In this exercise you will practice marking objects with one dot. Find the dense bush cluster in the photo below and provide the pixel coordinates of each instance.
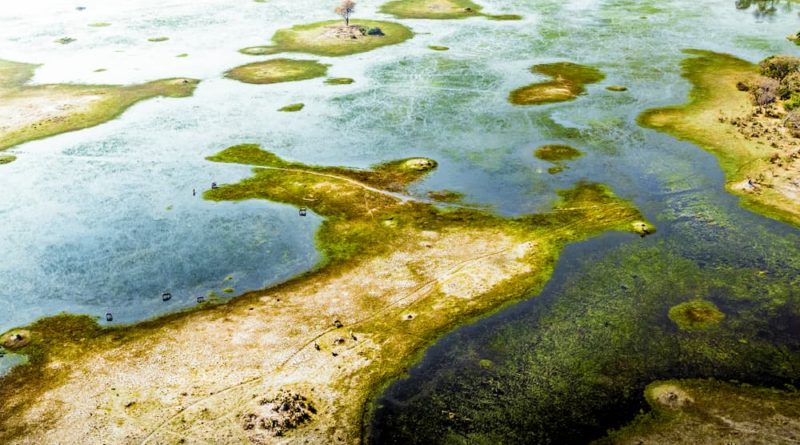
(781, 80)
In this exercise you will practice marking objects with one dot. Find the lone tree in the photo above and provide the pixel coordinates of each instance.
(346, 9)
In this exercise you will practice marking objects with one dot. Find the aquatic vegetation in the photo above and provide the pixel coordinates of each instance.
(7, 159)
(99, 24)
(504, 17)
(446, 196)
(617, 88)
(576, 363)
(339, 81)
(557, 152)
(569, 81)
(681, 410)
(65, 40)
(79, 106)
(182, 55)
(398, 273)
(696, 315)
(757, 158)
(158, 39)
(292, 107)
(331, 38)
(277, 70)
(438, 48)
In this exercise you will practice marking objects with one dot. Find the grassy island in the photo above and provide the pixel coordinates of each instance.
(397, 274)
(696, 315)
(278, 70)
(334, 38)
(695, 411)
(29, 112)
(569, 81)
(439, 10)
(557, 154)
(756, 144)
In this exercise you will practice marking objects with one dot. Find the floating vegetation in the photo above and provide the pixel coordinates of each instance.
(339, 81)
(292, 107)
(65, 40)
(617, 88)
(7, 159)
(158, 39)
(438, 48)
(99, 24)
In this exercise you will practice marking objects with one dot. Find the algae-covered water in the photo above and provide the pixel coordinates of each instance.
(104, 219)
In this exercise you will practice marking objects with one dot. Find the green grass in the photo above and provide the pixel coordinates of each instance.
(339, 81)
(278, 70)
(292, 107)
(425, 9)
(569, 81)
(7, 159)
(310, 39)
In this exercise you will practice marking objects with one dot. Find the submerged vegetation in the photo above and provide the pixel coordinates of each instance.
(576, 363)
(331, 38)
(278, 70)
(557, 154)
(69, 107)
(569, 81)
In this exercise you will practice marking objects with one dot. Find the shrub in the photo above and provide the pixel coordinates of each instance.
(765, 91)
(789, 85)
(778, 67)
(793, 103)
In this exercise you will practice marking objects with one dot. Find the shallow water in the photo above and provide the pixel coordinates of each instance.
(104, 219)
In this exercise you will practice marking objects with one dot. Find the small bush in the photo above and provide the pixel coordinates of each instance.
(778, 67)
(765, 91)
(789, 85)
(375, 31)
(793, 103)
